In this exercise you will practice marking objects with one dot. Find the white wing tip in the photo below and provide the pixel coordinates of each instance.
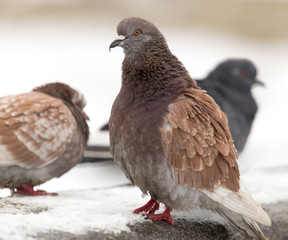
(241, 202)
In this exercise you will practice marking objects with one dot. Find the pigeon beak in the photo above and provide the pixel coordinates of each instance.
(117, 42)
(260, 83)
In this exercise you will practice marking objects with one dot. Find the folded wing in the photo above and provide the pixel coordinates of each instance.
(199, 148)
(35, 129)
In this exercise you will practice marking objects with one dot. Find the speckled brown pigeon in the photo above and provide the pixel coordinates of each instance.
(171, 139)
(43, 134)
(230, 84)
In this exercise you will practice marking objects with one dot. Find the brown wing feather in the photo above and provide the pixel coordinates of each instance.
(197, 143)
(35, 129)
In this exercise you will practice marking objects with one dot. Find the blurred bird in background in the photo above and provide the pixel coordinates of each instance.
(43, 134)
(230, 84)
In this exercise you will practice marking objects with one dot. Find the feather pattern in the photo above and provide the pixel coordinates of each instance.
(209, 166)
(43, 134)
(207, 149)
(39, 128)
(241, 202)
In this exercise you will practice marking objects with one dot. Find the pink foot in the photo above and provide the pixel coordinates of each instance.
(150, 206)
(28, 190)
(162, 216)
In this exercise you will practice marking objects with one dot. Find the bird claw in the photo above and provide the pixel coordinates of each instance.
(28, 190)
(151, 206)
(166, 216)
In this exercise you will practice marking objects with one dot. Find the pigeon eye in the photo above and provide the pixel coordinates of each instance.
(244, 74)
(137, 32)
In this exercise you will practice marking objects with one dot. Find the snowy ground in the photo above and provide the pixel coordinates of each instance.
(89, 195)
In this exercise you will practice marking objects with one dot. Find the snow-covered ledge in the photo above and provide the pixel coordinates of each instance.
(106, 214)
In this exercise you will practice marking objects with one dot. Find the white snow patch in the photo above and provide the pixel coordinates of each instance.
(74, 211)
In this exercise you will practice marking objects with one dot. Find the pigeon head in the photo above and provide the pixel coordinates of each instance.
(149, 65)
(239, 69)
(136, 34)
(66, 93)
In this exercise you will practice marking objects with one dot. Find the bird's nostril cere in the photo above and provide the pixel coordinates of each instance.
(117, 42)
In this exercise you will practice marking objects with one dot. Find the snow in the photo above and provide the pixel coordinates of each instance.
(72, 211)
(91, 197)
(94, 196)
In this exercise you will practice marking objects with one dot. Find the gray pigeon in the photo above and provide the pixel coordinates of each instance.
(229, 84)
(171, 139)
(43, 134)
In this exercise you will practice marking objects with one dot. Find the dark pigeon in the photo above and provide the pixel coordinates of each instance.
(171, 139)
(229, 84)
(43, 134)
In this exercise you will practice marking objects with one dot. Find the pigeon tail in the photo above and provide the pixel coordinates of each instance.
(240, 202)
(244, 225)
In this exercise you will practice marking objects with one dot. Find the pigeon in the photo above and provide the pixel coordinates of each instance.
(229, 84)
(43, 134)
(171, 139)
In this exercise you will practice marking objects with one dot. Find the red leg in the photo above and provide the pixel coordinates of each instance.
(166, 216)
(28, 190)
(154, 208)
(151, 205)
